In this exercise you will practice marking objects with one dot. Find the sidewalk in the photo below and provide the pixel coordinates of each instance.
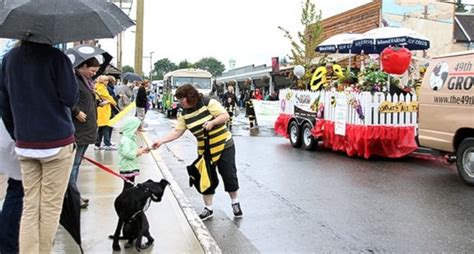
(173, 222)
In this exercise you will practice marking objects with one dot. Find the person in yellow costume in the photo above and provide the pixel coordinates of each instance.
(104, 111)
(205, 113)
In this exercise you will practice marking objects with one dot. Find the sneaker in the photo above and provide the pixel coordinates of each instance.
(112, 147)
(84, 204)
(237, 210)
(206, 214)
(97, 148)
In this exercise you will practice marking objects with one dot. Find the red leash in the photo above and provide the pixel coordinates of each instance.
(106, 169)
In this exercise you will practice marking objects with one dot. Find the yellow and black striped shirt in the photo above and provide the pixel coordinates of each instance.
(193, 119)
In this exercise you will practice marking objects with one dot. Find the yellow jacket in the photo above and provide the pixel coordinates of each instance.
(104, 112)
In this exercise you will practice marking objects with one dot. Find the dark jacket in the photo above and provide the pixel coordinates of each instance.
(85, 132)
(141, 99)
(111, 90)
(37, 88)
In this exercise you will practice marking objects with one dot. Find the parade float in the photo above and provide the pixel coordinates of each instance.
(367, 112)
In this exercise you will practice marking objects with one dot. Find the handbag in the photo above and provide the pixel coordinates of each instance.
(202, 172)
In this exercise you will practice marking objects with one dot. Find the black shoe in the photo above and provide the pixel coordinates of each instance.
(84, 204)
(237, 210)
(206, 214)
(86, 200)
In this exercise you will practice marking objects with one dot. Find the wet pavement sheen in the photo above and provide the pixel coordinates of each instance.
(168, 224)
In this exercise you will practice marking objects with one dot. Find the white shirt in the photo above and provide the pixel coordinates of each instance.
(37, 153)
(9, 163)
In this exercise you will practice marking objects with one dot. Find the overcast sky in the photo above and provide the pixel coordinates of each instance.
(244, 30)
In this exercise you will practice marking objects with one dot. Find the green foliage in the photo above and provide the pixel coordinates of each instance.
(162, 67)
(185, 64)
(460, 7)
(303, 46)
(214, 66)
(128, 68)
(211, 64)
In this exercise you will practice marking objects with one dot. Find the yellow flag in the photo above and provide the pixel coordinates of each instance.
(121, 114)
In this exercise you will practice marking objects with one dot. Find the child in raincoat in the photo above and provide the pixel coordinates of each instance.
(129, 151)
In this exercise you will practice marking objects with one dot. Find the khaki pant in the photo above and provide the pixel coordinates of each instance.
(141, 116)
(44, 182)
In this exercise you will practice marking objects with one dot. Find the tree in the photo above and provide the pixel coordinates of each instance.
(302, 51)
(460, 7)
(185, 64)
(210, 64)
(163, 66)
(128, 68)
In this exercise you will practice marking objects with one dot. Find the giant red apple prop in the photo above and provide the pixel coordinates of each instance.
(395, 60)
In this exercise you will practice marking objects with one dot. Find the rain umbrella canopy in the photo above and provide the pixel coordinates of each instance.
(376, 40)
(81, 53)
(57, 21)
(131, 76)
(70, 217)
(340, 43)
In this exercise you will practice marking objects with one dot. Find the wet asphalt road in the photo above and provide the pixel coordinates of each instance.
(299, 201)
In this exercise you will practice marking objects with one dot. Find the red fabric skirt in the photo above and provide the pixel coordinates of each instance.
(368, 140)
(281, 124)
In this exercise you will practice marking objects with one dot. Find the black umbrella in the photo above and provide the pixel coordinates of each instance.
(131, 76)
(71, 213)
(57, 21)
(81, 53)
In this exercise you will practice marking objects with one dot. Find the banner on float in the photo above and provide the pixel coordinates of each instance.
(341, 114)
(266, 112)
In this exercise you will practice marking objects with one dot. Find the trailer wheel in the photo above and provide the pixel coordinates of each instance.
(295, 137)
(465, 160)
(308, 140)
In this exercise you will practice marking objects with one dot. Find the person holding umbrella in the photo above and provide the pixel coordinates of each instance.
(204, 113)
(84, 116)
(37, 90)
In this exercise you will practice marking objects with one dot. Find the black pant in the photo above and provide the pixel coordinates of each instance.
(228, 171)
(10, 217)
(105, 133)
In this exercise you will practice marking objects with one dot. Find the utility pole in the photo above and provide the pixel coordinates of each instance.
(119, 46)
(150, 57)
(139, 38)
(151, 64)
(123, 5)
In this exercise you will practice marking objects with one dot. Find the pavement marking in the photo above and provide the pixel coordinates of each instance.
(205, 238)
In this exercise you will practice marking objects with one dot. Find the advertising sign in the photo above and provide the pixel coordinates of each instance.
(341, 114)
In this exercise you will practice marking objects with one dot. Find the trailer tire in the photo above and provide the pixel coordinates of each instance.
(295, 134)
(307, 138)
(465, 161)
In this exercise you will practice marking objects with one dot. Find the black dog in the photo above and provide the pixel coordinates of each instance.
(130, 206)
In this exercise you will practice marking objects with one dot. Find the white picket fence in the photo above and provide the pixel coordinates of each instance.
(370, 107)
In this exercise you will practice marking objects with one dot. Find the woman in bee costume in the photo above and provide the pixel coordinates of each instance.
(202, 113)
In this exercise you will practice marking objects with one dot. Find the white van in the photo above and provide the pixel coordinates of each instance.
(446, 109)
